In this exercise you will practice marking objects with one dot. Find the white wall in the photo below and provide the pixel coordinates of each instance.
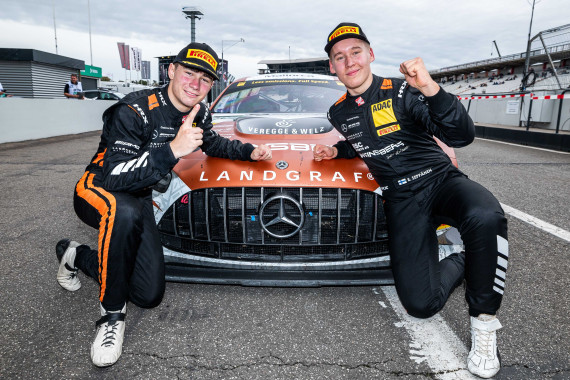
(28, 119)
(494, 111)
(491, 112)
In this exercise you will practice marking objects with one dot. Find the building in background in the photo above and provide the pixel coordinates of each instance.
(31, 73)
(91, 77)
(302, 65)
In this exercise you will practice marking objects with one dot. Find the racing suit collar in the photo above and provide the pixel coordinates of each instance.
(363, 99)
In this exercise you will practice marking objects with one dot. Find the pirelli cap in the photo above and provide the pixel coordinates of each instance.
(200, 57)
(343, 31)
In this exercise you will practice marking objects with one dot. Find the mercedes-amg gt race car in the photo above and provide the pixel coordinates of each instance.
(289, 221)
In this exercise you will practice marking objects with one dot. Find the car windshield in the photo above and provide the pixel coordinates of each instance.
(90, 94)
(280, 96)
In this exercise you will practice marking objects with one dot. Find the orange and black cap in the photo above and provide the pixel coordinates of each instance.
(199, 56)
(343, 31)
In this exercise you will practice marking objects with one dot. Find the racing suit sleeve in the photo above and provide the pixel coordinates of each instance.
(344, 149)
(218, 146)
(129, 165)
(443, 117)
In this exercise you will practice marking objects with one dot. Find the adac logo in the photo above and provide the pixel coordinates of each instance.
(383, 113)
(343, 30)
(202, 55)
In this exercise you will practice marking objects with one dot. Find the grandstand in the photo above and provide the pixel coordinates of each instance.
(547, 63)
(529, 89)
(498, 84)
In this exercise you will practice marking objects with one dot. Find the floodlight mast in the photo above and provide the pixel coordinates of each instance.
(233, 42)
(496, 47)
(54, 28)
(527, 60)
(192, 13)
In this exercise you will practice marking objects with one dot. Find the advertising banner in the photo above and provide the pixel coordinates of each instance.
(121, 46)
(145, 69)
(92, 71)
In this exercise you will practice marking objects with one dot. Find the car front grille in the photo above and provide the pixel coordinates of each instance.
(276, 224)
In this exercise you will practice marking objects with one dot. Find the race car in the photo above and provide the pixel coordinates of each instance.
(289, 221)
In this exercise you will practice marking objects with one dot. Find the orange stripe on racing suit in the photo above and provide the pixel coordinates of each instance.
(98, 160)
(340, 99)
(105, 204)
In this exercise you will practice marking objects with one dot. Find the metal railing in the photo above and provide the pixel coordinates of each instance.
(503, 59)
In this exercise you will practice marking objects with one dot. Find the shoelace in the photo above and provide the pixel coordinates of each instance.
(484, 343)
(110, 332)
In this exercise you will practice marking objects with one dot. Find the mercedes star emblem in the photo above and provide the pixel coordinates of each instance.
(281, 216)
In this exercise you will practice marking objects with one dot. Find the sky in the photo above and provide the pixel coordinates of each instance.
(443, 33)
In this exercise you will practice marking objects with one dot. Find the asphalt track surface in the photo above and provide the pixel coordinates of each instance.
(234, 332)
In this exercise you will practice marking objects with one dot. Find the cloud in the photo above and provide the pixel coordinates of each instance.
(443, 33)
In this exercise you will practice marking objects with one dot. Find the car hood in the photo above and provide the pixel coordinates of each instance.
(291, 138)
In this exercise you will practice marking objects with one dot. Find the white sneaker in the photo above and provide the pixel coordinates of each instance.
(484, 359)
(67, 272)
(108, 344)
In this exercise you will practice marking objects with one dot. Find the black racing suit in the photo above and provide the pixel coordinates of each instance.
(115, 194)
(391, 127)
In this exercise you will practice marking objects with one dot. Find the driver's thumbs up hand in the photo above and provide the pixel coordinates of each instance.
(187, 139)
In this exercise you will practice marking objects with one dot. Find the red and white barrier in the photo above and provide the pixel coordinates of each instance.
(493, 96)
(545, 97)
(552, 97)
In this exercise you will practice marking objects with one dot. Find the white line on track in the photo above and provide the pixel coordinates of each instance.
(541, 224)
(522, 146)
(433, 341)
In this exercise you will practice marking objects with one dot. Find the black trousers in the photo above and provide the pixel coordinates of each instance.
(422, 282)
(129, 263)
